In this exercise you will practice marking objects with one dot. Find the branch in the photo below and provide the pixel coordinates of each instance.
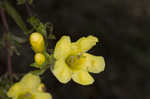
(6, 31)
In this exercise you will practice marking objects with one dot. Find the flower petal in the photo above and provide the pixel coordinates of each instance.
(63, 47)
(42, 95)
(62, 71)
(30, 81)
(41, 87)
(28, 87)
(96, 64)
(84, 44)
(82, 77)
(14, 90)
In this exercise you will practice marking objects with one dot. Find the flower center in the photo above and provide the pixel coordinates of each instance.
(75, 61)
(26, 95)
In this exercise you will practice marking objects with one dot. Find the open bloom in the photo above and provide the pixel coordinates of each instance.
(37, 42)
(72, 61)
(30, 87)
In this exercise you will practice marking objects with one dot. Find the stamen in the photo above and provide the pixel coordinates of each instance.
(74, 61)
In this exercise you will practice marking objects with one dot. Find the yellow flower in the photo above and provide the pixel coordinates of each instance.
(41, 87)
(72, 61)
(37, 42)
(28, 88)
(39, 58)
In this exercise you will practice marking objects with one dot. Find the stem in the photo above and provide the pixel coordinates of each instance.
(28, 9)
(6, 31)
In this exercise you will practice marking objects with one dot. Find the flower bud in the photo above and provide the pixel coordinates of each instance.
(37, 42)
(39, 58)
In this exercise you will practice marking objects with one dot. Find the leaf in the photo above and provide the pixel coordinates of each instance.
(37, 25)
(30, 1)
(5, 82)
(51, 36)
(40, 71)
(41, 29)
(18, 39)
(48, 64)
(16, 43)
(19, 2)
(50, 60)
(34, 65)
(50, 27)
(38, 66)
(15, 15)
(14, 50)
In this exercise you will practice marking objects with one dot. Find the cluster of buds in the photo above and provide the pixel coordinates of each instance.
(38, 46)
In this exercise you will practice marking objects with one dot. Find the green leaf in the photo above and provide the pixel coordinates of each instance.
(5, 83)
(19, 2)
(18, 39)
(51, 36)
(50, 60)
(30, 1)
(50, 27)
(42, 29)
(37, 25)
(16, 43)
(34, 65)
(15, 15)
(40, 71)
(38, 66)
(14, 50)
(48, 64)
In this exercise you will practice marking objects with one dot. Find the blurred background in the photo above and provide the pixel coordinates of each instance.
(122, 27)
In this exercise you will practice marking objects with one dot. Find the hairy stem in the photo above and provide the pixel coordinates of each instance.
(7, 43)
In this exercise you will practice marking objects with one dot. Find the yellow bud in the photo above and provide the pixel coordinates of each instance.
(37, 42)
(39, 58)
